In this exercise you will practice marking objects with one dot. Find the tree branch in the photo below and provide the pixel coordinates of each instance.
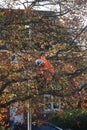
(8, 83)
(81, 31)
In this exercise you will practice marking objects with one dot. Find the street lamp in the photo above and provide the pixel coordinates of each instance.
(29, 114)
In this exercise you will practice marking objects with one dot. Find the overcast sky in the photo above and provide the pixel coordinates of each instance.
(20, 4)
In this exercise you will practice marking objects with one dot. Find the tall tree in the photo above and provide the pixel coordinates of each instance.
(59, 32)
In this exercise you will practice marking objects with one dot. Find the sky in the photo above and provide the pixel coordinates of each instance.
(18, 5)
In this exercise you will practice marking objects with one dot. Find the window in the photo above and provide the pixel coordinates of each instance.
(50, 104)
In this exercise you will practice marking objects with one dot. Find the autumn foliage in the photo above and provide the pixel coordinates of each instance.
(26, 33)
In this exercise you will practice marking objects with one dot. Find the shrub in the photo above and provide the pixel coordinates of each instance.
(74, 119)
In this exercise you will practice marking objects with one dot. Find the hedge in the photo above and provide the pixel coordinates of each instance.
(73, 119)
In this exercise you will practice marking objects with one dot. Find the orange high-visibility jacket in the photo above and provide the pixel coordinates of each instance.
(47, 69)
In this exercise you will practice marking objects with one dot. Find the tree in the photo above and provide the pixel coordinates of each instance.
(58, 34)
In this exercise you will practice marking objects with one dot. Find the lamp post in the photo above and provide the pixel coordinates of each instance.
(29, 113)
(29, 118)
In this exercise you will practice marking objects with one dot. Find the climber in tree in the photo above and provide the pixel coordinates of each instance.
(45, 67)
